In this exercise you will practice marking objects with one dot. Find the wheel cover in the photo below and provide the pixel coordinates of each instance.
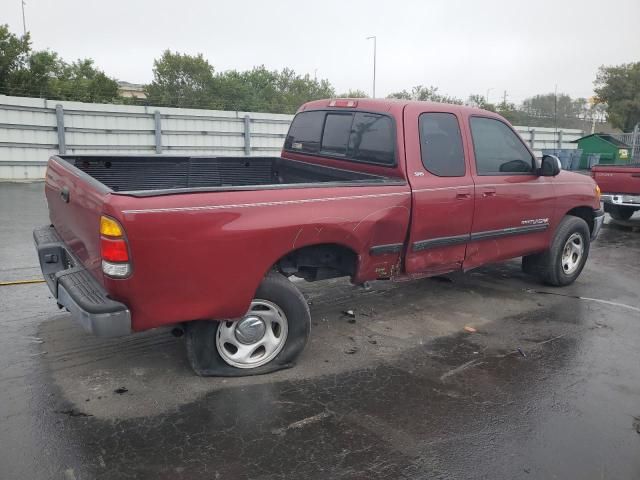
(256, 338)
(572, 253)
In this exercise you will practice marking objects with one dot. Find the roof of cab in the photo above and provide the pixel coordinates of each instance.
(390, 105)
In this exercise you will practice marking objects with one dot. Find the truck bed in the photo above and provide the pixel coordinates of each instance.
(161, 175)
(623, 179)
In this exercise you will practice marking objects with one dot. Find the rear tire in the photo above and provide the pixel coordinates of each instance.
(619, 212)
(269, 337)
(565, 259)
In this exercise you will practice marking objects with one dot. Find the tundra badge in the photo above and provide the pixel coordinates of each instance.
(535, 221)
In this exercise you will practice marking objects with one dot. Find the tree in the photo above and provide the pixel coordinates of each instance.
(297, 89)
(14, 52)
(181, 80)
(44, 74)
(480, 101)
(82, 81)
(35, 76)
(401, 95)
(429, 94)
(190, 81)
(619, 87)
(515, 115)
(353, 94)
(551, 105)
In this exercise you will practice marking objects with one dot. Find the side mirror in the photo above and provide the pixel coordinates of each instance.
(550, 166)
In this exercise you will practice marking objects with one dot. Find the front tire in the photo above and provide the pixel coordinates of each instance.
(619, 212)
(565, 259)
(269, 337)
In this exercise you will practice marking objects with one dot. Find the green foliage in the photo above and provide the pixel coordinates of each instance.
(353, 94)
(619, 87)
(428, 94)
(24, 72)
(512, 113)
(190, 81)
(480, 101)
(14, 52)
(81, 81)
(551, 105)
(181, 81)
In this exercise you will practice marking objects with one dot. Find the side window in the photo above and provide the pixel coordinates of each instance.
(372, 139)
(441, 144)
(305, 132)
(498, 149)
(335, 137)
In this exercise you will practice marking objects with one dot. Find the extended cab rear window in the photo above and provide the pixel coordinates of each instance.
(441, 144)
(355, 136)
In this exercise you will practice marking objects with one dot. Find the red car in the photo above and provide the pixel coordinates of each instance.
(620, 185)
(369, 189)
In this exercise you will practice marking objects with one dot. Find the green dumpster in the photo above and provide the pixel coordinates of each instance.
(611, 150)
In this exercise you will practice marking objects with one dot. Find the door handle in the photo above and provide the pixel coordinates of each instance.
(64, 194)
(463, 193)
(489, 192)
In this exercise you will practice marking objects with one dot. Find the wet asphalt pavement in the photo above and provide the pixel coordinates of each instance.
(548, 387)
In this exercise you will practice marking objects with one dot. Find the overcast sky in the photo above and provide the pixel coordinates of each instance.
(462, 47)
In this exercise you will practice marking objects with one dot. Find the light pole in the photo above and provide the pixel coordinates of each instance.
(374, 63)
(24, 22)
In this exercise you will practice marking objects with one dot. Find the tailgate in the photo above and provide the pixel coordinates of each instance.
(75, 204)
(623, 179)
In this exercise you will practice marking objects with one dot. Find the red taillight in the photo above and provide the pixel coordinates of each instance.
(343, 102)
(114, 250)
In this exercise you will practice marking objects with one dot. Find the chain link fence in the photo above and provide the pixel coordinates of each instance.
(633, 140)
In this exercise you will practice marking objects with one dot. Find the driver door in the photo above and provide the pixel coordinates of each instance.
(513, 205)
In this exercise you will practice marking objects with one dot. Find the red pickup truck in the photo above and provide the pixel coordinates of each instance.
(369, 189)
(620, 185)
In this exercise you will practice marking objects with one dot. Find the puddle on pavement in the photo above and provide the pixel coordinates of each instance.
(391, 319)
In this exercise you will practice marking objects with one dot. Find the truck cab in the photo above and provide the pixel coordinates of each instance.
(478, 194)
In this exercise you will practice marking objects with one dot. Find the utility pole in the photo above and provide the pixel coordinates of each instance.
(374, 63)
(24, 22)
(504, 98)
(486, 98)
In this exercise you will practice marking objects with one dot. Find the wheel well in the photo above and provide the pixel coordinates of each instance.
(319, 262)
(585, 213)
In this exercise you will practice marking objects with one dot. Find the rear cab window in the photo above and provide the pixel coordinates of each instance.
(348, 135)
(335, 136)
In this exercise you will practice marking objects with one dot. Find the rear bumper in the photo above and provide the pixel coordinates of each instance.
(598, 220)
(76, 289)
(621, 199)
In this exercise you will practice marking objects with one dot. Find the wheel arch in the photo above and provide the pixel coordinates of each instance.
(584, 212)
(319, 261)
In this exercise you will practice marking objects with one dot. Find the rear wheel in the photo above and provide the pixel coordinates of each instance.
(269, 337)
(619, 212)
(564, 261)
